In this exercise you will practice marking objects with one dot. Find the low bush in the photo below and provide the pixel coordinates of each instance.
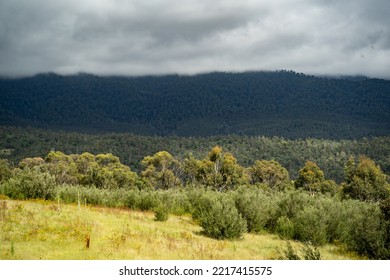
(148, 200)
(29, 184)
(310, 225)
(177, 201)
(292, 202)
(289, 253)
(256, 207)
(308, 251)
(132, 199)
(161, 213)
(201, 200)
(365, 230)
(285, 228)
(221, 220)
(311, 253)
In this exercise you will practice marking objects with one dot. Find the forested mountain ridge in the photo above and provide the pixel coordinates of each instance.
(282, 103)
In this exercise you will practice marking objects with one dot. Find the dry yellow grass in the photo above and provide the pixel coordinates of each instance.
(47, 230)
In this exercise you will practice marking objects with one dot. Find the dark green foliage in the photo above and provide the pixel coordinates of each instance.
(280, 103)
(221, 220)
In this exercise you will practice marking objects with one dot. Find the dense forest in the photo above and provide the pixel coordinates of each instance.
(330, 155)
(282, 103)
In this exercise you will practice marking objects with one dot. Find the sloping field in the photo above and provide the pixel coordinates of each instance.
(48, 230)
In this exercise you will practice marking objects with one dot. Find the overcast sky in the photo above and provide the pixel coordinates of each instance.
(137, 37)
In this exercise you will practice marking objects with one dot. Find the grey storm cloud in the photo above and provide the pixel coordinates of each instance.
(133, 37)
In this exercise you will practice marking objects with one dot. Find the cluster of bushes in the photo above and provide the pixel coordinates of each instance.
(319, 219)
(219, 170)
(224, 198)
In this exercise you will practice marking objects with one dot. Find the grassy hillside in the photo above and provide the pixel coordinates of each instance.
(49, 230)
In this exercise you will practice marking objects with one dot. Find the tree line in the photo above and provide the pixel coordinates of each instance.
(218, 170)
(330, 155)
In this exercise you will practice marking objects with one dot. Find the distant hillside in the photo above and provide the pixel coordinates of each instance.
(282, 103)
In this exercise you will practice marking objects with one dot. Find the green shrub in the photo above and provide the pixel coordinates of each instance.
(201, 200)
(310, 226)
(148, 200)
(29, 184)
(161, 213)
(66, 193)
(256, 207)
(221, 220)
(292, 202)
(366, 230)
(334, 214)
(132, 199)
(285, 228)
(385, 208)
(91, 195)
(5, 170)
(176, 200)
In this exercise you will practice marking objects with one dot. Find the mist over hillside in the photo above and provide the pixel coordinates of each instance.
(281, 103)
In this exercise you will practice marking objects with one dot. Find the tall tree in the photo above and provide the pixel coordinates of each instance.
(220, 170)
(365, 180)
(162, 170)
(270, 173)
(310, 177)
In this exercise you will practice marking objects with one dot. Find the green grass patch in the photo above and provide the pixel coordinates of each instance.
(34, 230)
